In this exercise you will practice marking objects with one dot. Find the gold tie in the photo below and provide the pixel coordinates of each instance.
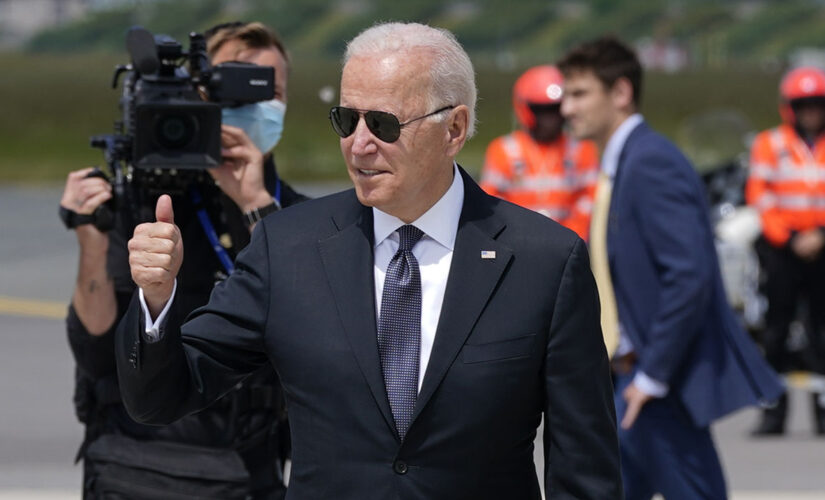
(601, 268)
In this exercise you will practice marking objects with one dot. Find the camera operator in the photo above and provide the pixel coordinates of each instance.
(248, 182)
(235, 448)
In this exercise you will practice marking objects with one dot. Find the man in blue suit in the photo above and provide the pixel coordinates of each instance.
(681, 360)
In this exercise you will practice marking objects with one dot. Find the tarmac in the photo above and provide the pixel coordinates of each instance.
(39, 434)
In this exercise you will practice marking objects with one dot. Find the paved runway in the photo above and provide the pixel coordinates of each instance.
(39, 434)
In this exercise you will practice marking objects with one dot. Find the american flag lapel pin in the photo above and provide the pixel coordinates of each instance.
(488, 254)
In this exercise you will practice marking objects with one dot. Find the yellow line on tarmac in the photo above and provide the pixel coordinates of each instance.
(37, 308)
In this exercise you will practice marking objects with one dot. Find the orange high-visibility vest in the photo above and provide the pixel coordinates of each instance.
(786, 183)
(556, 179)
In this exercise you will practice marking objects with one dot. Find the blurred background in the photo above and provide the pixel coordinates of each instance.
(713, 66)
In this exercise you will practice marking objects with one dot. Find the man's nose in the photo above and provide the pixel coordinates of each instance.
(566, 107)
(363, 142)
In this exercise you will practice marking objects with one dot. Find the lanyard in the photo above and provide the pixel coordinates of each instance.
(277, 196)
(209, 230)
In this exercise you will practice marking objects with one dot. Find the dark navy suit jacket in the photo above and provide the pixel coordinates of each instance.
(518, 338)
(669, 292)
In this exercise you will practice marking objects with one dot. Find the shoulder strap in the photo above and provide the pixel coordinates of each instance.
(209, 231)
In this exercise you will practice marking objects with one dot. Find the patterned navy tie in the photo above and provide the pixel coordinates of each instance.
(399, 329)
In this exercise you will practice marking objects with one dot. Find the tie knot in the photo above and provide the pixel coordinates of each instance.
(409, 235)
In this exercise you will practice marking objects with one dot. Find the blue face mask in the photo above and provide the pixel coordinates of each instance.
(262, 121)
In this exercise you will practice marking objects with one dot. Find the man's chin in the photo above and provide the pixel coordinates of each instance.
(364, 201)
(365, 196)
(581, 135)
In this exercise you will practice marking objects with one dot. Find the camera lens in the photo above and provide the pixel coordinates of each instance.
(174, 131)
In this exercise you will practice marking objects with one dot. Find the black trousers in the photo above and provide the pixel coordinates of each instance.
(789, 280)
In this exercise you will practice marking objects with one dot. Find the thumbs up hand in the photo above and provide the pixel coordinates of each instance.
(155, 256)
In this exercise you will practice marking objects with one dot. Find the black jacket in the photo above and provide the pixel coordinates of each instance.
(518, 338)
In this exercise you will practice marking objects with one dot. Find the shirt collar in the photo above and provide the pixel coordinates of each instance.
(440, 222)
(610, 157)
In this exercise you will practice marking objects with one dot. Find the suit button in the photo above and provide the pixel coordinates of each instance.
(399, 467)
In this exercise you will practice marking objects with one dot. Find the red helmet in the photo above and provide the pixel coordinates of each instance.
(799, 83)
(538, 85)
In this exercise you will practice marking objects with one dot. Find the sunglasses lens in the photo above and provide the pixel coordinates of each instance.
(383, 125)
(344, 120)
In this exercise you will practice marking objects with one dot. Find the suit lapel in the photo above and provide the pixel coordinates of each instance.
(621, 173)
(635, 135)
(469, 286)
(348, 261)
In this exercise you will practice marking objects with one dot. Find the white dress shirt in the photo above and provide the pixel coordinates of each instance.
(609, 165)
(434, 253)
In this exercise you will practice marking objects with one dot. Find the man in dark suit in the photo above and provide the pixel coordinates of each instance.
(420, 327)
(682, 359)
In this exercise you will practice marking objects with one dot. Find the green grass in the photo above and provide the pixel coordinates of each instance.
(52, 104)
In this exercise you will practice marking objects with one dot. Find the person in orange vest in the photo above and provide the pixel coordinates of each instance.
(539, 166)
(786, 184)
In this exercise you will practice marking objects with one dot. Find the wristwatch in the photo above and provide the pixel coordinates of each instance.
(253, 216)
(72, 219)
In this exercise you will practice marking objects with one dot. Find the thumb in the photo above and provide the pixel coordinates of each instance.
(163, 211)
(630, 414)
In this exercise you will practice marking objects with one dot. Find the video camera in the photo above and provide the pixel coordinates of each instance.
(170, 130)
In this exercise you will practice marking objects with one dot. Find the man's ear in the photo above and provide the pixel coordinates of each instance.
(622, 95)
(458, 123)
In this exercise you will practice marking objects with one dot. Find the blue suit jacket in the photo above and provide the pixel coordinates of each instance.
(669, 292)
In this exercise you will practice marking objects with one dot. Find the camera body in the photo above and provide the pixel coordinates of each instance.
(170, 127)
(173, 127)
(164, 111)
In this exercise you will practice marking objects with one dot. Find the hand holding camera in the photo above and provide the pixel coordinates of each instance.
(84, 193)
(241, 174)
(82, 205)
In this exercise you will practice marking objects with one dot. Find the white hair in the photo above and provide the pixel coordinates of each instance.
(452, 79)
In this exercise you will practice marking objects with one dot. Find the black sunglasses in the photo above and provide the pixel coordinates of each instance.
(385, 126)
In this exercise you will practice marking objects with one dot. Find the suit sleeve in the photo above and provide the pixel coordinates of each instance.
(196, 362)
(580, 440)
(674, 224)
